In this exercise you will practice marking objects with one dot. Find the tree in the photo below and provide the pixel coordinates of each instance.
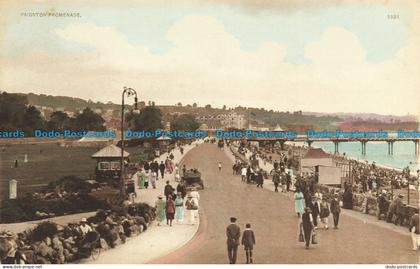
(208, 106)
(149, 119)
(184, 122)
(12, 109)
(179, 104)
(224, 107)
(194, 105)
(59, 120)
(88, 121)
(32, 119)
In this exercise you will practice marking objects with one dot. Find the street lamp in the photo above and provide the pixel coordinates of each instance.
(129, 92)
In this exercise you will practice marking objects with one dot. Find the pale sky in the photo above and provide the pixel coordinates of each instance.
(282, 55)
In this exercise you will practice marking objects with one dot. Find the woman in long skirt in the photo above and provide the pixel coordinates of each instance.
(170, 210)
(179, 208)
(152, 178)
(168, 166)
(299, 202)
(141, 178)
(160, 210)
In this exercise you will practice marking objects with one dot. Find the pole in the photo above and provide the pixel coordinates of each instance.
(129, 92)
(122, 183)
(408, 193)
(392, 190)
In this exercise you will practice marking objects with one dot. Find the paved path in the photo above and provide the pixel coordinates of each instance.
(157, 241)
(275, 224)
(365, 218)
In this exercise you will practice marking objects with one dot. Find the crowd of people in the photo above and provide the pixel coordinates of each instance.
(371, 177)
(314, 208)
(249, 174)
(178, 205)
(148, 173)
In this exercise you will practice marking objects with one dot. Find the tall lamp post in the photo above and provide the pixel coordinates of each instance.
(129, 92)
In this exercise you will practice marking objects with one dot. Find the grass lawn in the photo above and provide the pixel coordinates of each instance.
(46, 163)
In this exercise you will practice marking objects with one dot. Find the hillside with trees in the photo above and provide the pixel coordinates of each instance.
(17, 114)
(296, 120)
(67, 103)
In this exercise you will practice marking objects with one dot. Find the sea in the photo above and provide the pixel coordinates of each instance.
(404, 154)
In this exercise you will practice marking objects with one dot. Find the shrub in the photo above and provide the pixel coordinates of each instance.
(24, 209)
(71, 184)
(43, 230)
(10, 211)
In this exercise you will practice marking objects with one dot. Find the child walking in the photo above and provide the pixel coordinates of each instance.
(248, 241)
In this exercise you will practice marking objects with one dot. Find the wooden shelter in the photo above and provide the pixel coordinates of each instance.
(315, 157)
(108, 162)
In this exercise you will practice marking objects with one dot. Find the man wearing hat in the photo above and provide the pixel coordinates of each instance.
(335, 210)
(169, 190)
(316, 209)
(84, 227)
(382, 204)
(415, 229)
(233, 233)
(399, 210)
(307, 226)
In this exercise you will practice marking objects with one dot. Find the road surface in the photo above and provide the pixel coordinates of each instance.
(275, 225)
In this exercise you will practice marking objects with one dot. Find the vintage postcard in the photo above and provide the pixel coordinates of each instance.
(210, 132)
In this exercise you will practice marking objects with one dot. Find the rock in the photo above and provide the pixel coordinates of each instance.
(44, 250)
(118, 241)
(135, 229)
(42, 260)
(67, 245)
(104, 244)
(68, 256)
(56, 242)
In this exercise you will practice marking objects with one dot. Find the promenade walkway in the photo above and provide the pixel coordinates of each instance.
(157, 241)
(275, 225)
(365, 218)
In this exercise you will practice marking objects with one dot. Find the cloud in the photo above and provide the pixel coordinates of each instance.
(208, 65)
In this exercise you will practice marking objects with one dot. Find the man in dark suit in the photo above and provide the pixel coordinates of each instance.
(335, 209)
(399, 210)
(316, 209)
(233, 233)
